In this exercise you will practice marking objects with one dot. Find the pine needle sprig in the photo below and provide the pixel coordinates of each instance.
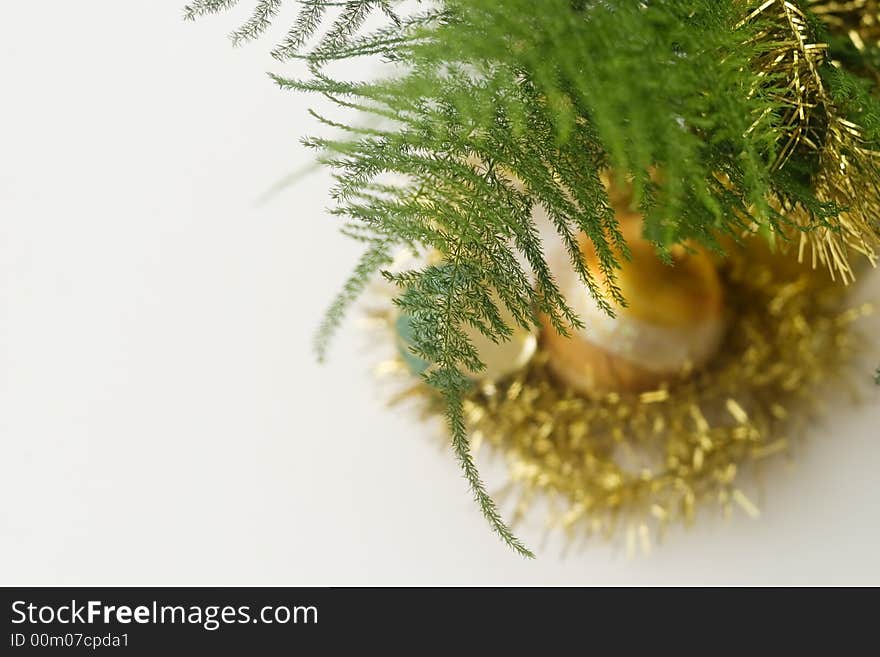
(307, 23)
(258, 23)
(374, 258)
(312, 14)
(199, 8)
(439, 302)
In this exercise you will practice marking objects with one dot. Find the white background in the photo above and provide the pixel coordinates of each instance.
(162, 418)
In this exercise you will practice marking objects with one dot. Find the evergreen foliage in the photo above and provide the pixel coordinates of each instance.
(497, 106)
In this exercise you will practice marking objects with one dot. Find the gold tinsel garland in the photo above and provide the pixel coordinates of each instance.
(848, 171)
(858, 19)
(638, 462)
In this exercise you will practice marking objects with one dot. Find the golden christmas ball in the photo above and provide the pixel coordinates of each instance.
(673, 323)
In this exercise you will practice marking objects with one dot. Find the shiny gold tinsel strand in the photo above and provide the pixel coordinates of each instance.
(636, 463)
(848, 171)
(788, 62)
(858, 19)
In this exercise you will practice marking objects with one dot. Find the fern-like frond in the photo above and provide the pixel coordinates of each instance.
(258, 23)
(312, 15)
(374, 258)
